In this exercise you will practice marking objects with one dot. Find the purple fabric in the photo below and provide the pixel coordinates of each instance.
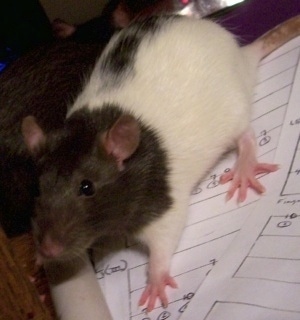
(255, 17)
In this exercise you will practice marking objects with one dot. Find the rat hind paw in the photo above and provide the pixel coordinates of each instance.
(244, 176)
(154, 291)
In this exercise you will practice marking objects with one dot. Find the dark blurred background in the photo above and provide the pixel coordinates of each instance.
(23, 25)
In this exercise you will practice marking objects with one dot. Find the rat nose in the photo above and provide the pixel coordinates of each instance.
(50, 248)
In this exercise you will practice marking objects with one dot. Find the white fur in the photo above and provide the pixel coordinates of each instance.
(190, 83)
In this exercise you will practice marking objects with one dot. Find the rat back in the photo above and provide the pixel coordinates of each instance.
(183, 77)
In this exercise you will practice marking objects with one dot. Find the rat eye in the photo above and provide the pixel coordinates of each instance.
(87, 188)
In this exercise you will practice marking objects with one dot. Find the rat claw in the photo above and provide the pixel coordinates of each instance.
(227, 176)
(242, 192)
(234, 186)
(144, 296)
(266, 168)
(150, 294)
(257, 186)
(151, 303)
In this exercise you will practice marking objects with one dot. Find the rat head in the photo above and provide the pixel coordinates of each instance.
(79, 167)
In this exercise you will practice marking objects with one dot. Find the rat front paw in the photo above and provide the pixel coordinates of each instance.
(243, 176)
(156, 290)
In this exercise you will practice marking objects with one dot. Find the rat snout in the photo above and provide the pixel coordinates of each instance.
(49, 248)
(60, 231)
(47, 245)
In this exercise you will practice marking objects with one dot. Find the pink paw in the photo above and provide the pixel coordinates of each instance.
(154, 291)
(243, 177)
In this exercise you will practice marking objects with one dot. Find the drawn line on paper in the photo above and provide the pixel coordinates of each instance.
(281, 235)
(267, 61)
(277, 74)
(267, 279)
(273, 92)
(283, 79)
(284, 91)
(223, 213)
(272, 258)
(245, 308)
(295, 163)
(270, 111)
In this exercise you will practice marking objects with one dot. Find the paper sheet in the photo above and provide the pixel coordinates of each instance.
(259, 276)
(224, 266)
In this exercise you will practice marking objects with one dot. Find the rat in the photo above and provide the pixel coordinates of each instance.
(168, 96)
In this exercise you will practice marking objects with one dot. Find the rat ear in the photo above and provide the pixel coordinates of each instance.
(122, 139)
(33, 135)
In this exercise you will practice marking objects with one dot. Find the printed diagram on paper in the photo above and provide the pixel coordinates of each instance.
(214, 226)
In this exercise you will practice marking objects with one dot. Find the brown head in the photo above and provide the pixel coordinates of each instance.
(78, 169)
